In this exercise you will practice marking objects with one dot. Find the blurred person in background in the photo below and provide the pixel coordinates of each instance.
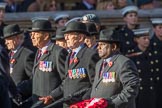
(85, 5)
(35, 6)
(142, 57)
(145, 4)
(125, 33)
(12, 6)
(156, 48)
(2, 24)
(49, 5)
(59, 38)
(93, 19)
(90, 39)
(119, 4)
(61, 20)
(105, 5)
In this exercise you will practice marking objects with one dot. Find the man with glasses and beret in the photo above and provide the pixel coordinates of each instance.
(49, 64)
(116, 79)
(80, 64)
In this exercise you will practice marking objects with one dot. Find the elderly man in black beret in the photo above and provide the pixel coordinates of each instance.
(116, 77)
(49, 64)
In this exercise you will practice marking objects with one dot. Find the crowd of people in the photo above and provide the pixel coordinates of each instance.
(55, 5)
(79, 64)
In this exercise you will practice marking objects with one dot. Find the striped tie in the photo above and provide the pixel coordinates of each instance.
(39, 54)
(104, 63)
(71, 57)
(12, 54)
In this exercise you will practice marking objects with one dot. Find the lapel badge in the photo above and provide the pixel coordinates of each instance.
(75, 60)
(12, 61)
(45, 51)
(110, 63)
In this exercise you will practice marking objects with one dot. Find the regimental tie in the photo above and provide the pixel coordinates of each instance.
(11, 54)
(104, 63)
(39, 54)
(72, 54)
(11, 61)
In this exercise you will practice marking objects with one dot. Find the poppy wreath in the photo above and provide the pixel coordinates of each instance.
(91, 103)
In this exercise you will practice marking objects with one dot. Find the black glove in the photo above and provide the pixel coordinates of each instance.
(17, 99)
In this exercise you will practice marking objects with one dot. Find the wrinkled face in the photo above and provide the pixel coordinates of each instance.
(1, 14)
(73, 39)
(131, 18)
(12, 42)
(158, 31)
(61, 43)
(104, 49)
(143, 41)
(38, 39)
(89, 41)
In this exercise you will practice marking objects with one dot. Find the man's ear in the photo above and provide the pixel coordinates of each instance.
(114, 46)
(81, 37)
(46, 36)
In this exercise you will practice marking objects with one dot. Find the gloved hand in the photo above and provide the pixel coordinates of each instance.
(17, 99)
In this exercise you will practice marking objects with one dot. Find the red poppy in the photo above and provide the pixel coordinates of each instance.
(75, 60)
(110, 63)
(12, 61)
(45, 52)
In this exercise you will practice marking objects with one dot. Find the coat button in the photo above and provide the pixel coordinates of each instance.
(154, 43)
(140, 79)
(157, 69)
(127, 42)
(157, 78)
(138, 62)
(150, 54)
(151, 79)
(96, 89)
(139, 70)
(155, 52)
(141, 88)
(151, 87)
(126, 34)
(151, 62)
(156, 61)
